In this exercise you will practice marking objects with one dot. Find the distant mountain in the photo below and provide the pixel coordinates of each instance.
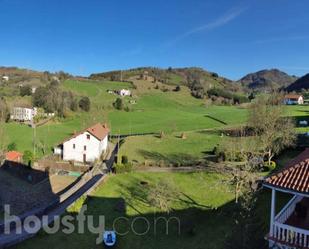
(298, 85)
(266, 80)
(189, 76)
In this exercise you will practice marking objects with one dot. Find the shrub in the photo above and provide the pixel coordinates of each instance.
(124, 159)
(118, 104)
(123, 168)
(28, 157)
(177, 88)
(84, 104)
(215, 75)
(25, 91)
(12, 146)
(271, 166)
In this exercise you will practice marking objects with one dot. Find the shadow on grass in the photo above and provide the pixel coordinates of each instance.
(179, 159)
(191, 227)
(215, 119)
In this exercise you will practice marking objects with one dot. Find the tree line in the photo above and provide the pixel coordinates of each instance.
(53, 99)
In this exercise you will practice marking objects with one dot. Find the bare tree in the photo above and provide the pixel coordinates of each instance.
(273, 131)
(162, 194)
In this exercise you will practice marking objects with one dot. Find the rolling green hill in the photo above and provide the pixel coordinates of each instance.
(170, 76)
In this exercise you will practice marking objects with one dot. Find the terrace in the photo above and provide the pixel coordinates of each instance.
(290, 227)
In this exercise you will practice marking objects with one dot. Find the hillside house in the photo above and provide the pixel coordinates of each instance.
(294, 99)
(124, 92)
(85, 146)
(23, 114)
(5, 78)
(289, 228)
(14, 156)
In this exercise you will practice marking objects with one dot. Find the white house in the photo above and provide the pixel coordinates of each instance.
(23, 114)
(85, 146)
(124, 92)
(294, 99)
(289, 228)
(5, 78)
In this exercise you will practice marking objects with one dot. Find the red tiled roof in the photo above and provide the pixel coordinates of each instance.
(294, 177)
(13, 155)
(292, 96)
(98, 130)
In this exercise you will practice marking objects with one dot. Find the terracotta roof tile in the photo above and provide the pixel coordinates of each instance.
(13, 155)
(294, 177)
(100, 131)
(292, 96)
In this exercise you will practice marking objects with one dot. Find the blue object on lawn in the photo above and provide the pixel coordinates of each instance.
(109, 238)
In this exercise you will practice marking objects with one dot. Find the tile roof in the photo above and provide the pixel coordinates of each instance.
(294, 177)
(13, 155)
(100, 131)
(292, 96)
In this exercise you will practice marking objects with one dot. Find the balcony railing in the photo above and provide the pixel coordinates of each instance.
(288, 209)
(291, 235)
(287, 234)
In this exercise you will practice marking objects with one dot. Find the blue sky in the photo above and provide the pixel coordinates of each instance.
(230, 37)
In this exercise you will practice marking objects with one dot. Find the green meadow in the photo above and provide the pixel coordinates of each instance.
(155, 111)
(202, 216)
(172, 113)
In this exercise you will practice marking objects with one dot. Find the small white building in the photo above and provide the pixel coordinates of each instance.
(294, 99)
(85, 146)
(5, 78)
(23, 114)
(124, 92)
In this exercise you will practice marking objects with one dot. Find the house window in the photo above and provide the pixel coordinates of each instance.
(73, 146)
(88, 136)
(85, 147)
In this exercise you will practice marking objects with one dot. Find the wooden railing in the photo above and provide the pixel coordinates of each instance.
(288, 209)
(291, 235)
(288, 234)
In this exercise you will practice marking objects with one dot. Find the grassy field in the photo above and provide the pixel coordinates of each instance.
(171, 148)
(153, 112)
(205, 203)
(200, 194)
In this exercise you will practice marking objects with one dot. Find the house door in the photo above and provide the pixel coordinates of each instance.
(84, 158)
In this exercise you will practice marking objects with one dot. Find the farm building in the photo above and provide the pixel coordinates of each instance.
(23, 114)
(85, 146)
(5, 78)
(294, 99)
(124, 92)
(14, 156)
(289, 228)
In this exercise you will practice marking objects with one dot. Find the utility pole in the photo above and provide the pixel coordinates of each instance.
(118, 146)
(34, 137)
(121, 75)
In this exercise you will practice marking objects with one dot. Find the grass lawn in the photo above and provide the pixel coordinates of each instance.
(205, 203)
(200, 194)
(172, 148)
(154, 112)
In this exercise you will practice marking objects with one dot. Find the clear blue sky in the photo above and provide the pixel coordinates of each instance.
(230, 37)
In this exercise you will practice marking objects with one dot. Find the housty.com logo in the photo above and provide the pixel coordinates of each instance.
(82, 223)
